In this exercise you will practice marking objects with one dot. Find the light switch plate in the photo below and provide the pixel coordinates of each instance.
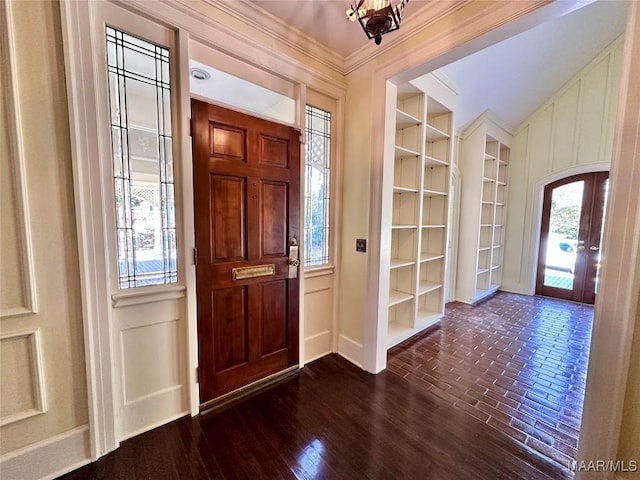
(361, 245)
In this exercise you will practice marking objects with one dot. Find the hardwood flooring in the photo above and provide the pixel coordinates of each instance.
(412, 421)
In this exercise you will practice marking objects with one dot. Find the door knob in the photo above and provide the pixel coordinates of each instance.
(594, 248)
(581, 247)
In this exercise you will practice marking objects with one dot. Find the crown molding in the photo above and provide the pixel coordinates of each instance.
(487, 116)
(282, 32)
(412, 24)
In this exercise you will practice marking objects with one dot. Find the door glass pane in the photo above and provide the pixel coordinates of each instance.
(562, 242)
(141, 144)
(604, 214)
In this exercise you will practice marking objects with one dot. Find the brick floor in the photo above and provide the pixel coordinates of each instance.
(516, 362)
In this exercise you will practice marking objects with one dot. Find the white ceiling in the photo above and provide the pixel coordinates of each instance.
(512, 78)
(326, 21)
(515, 77)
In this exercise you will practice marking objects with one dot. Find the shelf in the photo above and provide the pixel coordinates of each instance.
(427, 318)
(396, 297)
(398, 189)
(401, 262)
(403, 227)
(403, 119)
(434, 162)
(485, 224)
(433, 226)
(429, 257)
(426, 287)
(495, 267)
(397, 332)
(488, 180)
(484, 249)
(433, 193)
(483, 293)
(502, 162)
(498, 226)
(499, 204)
(432, 134)
(481, 271)
(496, 246)
(488, 156)
(401, 152)
(487, 202)
(501, 183)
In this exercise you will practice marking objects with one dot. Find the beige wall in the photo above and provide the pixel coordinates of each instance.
(47, 166)
(571, 131)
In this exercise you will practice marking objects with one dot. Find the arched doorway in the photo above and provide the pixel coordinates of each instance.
(570, 237)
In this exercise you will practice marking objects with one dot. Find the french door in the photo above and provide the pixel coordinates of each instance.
(571, 237)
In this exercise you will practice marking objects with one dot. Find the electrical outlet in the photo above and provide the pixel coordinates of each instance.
(361, 245)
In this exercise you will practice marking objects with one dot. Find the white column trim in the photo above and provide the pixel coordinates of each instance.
(76, 29)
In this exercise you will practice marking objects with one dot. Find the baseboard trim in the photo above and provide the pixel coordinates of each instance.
(317, 346)
(351, 350)
(48, 458)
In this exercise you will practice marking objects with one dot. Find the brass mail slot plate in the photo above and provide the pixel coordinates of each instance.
(253, 272)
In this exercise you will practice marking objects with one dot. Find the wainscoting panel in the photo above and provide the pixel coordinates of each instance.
(22, 394)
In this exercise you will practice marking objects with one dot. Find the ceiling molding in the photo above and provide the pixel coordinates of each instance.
(412, 24)
(227, 40)
(282, 32)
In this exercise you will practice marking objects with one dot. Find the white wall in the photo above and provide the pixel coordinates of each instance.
(571, 133)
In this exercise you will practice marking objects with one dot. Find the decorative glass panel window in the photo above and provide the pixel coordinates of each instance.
(141, 145)
(317, 187)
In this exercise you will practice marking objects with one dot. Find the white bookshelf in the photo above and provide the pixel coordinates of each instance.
(419, 210)
(485, 167)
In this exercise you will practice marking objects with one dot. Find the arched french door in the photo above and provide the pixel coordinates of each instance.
(570, 237)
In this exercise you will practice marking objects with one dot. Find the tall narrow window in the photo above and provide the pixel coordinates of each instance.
(141, 144)
(317, 187)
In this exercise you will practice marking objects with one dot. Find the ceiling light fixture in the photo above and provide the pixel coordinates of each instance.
(377, 17)
(200, 74)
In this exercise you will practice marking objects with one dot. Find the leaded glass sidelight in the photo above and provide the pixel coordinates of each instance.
(317, 187)
(141, 144)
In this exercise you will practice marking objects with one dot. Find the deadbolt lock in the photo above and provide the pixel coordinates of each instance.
(294, 259)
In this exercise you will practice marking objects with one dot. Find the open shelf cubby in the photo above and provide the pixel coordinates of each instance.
(420, 206)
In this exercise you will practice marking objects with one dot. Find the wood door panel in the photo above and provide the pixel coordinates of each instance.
(227, 142)
(273, 151)
(246, 175)
(582, 285)
(230, 327)
(228, 199)
(273, 323)
(275, 198)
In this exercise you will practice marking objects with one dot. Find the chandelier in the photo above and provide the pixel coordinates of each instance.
(377, 17)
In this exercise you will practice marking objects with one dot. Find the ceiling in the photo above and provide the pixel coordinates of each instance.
(326, 22)
(512, 78)
(515, 77)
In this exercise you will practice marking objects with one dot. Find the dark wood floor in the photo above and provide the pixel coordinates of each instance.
(516, 362)
(330, 421)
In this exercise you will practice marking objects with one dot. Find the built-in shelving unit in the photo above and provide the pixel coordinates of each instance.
(419, 211)
(485, 163)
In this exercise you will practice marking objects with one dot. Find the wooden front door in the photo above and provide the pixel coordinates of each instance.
(247, 212)
(570, 238)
